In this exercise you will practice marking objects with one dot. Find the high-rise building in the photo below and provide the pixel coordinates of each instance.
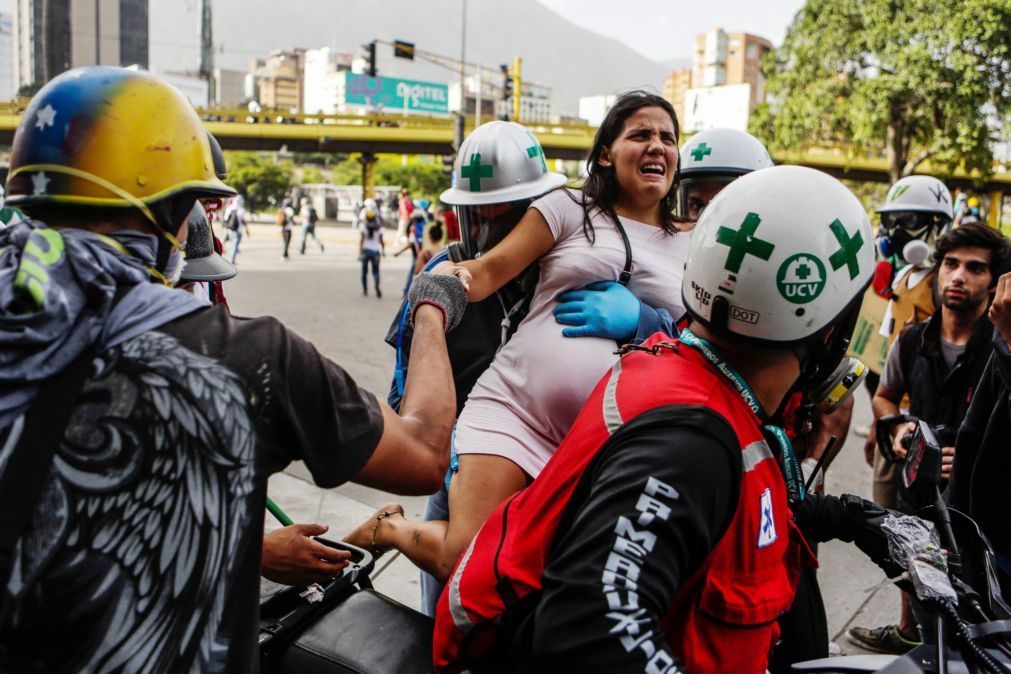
(52, 36)
(323, 81)
(535, 101)
(720, 59)
(7, 89)
(228, 88)
(674, 88)
(279, 80)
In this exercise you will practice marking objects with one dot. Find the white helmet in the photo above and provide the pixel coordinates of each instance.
(924, 194)
(916, 211)
(778, 257)
(497, 163)
(716, 156)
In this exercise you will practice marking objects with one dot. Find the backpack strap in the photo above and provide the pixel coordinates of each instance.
(30, 462)
(909, 348)
(626, 273)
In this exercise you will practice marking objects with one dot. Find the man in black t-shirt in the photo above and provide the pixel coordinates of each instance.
(142, 552)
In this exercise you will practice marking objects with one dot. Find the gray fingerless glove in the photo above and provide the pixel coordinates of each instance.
(443, 291)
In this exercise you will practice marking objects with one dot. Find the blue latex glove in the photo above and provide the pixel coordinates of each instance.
(602, 309)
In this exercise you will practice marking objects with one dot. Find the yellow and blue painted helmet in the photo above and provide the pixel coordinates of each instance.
(113, 137)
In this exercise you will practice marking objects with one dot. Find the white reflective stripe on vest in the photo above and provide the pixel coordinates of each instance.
(456, 609)
(612, 417)
(754, 454)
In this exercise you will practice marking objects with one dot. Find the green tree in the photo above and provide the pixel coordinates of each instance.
(423, 179)
(911, 79)
(262, 181)
(312, 176)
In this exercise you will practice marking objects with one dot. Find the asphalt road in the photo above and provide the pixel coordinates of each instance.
(319, 296)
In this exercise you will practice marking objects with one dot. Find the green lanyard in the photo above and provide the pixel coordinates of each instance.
(787, 459)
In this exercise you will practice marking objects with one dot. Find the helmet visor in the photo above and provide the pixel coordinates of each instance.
(918, 224)
(482, 227)
(694, 194)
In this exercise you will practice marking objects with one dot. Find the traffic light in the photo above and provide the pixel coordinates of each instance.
(507, 89)
(403, 50)
(370, 59)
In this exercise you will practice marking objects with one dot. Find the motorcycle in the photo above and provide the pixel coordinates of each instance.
(950, 572)
(342, 626)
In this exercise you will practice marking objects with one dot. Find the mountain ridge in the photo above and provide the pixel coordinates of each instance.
(571, 60)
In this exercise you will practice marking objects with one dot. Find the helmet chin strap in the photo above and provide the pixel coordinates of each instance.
(826, 372)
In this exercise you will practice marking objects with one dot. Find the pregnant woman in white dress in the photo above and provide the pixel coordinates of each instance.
(523, 405)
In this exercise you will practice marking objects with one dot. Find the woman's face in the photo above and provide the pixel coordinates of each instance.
(644, 156)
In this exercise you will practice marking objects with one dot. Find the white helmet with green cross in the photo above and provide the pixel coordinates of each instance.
(500, 162)
(780, 256)
(710, 160)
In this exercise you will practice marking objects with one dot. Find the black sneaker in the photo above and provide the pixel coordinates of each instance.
(885, 639)
(379, 293)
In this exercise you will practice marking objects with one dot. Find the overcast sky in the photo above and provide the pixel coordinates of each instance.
(664, 29)
(659, 29)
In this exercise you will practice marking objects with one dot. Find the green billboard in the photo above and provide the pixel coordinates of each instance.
(397, 95)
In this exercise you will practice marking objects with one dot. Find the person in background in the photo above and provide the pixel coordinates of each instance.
(204, 269)
(286, 221)
(938, 364)
(416, 226)
(434, 243)
(236, 222)
(917, 210)
(978, 484)
(711, 160)
(405, 206)
(307, 214)
(371, 248)
(450, 222)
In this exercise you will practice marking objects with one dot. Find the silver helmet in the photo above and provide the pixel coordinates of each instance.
(498, 171)
(710, 160)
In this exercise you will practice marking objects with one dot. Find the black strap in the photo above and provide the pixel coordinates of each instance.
(626, 274)
(30, 462)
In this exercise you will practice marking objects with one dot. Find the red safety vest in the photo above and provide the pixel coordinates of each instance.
(723, 619)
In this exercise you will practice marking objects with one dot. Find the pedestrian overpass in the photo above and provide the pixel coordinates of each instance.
(415, 134)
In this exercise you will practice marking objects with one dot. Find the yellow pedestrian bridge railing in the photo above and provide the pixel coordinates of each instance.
(421, 134)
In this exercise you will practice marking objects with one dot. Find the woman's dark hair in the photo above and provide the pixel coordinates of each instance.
(600, 189)
(976, 236)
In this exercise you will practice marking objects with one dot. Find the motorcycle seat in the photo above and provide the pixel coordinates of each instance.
(366, 633)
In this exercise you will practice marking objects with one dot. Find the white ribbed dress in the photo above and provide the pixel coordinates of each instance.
(525, 402)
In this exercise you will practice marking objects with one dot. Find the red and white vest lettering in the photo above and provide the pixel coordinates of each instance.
(724, 618)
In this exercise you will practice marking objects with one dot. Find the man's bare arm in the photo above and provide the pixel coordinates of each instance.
(413, 453)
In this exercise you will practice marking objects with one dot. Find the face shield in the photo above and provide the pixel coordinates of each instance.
(909, 234)
(695, 193)
(483, 226)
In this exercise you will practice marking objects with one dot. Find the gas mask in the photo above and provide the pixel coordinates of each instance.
(909, 235)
